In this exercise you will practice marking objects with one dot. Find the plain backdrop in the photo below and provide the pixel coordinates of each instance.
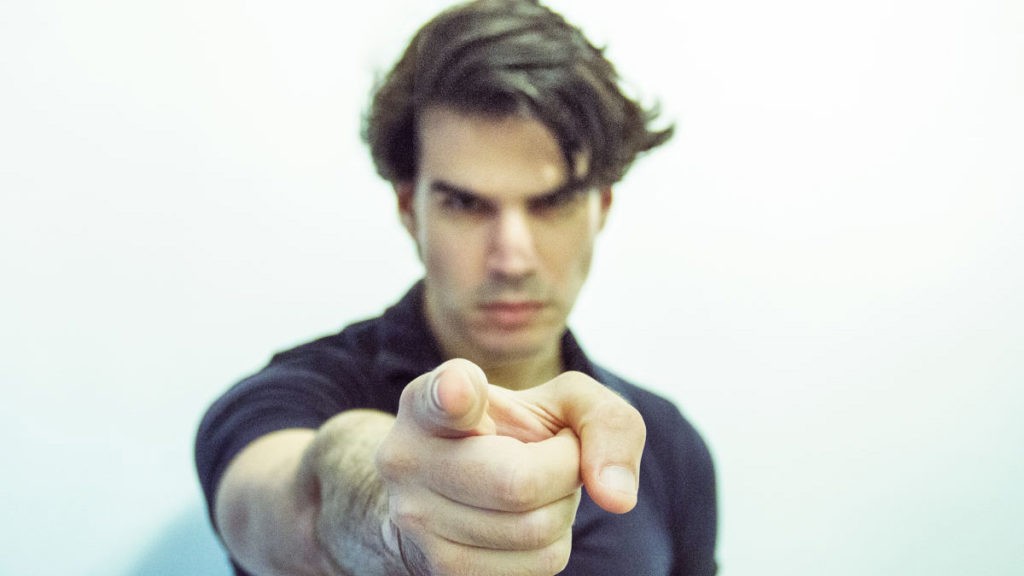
(824, 269)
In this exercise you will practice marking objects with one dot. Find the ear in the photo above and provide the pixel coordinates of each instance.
(404, 194)
(606, 204)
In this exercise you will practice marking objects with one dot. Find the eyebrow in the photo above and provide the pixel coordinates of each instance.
(445, 187)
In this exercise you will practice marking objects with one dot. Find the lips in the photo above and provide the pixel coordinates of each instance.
(511, 315)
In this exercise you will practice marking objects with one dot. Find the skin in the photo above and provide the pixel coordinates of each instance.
(483, 480)
(481, 470)
(506, 248)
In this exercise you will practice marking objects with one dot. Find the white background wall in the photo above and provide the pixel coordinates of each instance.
(824, 268)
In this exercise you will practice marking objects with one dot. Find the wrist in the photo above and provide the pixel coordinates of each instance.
(352, 527)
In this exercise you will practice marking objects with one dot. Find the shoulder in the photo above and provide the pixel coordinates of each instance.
(307, 384)
(357, 342)
(322, 372)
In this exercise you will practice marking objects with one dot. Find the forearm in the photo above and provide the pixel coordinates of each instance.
(265, 514)
(309, 503)
(351, 525)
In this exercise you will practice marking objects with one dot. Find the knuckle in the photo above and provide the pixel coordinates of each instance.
(609, 408)
(575, 378)
(617, 414)
(576, 375)
(389, 461)
(394, 459)
(540, 528)
(519, 490)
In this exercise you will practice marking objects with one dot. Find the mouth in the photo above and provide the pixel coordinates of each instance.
(511, 314)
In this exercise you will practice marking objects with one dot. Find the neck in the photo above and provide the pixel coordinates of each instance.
(527, 373)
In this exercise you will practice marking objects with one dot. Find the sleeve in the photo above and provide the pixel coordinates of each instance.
(279, 397)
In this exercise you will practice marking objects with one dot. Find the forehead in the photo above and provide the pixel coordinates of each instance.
(493, 156)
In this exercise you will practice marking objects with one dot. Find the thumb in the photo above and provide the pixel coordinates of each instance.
(450, 401)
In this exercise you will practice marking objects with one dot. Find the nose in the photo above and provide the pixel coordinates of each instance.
(512, 252)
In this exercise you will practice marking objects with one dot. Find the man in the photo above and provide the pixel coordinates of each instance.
(452, 435)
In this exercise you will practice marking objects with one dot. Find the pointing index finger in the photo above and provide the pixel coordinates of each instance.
(611, 431)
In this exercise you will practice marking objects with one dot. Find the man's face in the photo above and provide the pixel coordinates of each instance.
(505, 247)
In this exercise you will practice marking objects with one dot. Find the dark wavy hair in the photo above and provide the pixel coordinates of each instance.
(511, 57)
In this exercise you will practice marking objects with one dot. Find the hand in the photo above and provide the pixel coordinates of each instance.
(483, 480)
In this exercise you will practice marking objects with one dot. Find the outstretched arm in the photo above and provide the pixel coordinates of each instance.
(469, 479)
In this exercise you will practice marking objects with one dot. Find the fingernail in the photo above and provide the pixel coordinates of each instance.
(619, 478)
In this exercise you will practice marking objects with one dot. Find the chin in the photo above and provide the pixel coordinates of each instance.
(508, 347)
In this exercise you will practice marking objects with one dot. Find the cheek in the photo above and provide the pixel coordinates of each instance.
(582, 263)
(449, 257)
(569, 253)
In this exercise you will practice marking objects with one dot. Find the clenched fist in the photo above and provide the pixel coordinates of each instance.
(484, 480)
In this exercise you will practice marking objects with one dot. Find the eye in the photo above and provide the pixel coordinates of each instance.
(555, 201)
(463, 203)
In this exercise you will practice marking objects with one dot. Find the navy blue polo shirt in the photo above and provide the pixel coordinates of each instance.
(672, 530)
